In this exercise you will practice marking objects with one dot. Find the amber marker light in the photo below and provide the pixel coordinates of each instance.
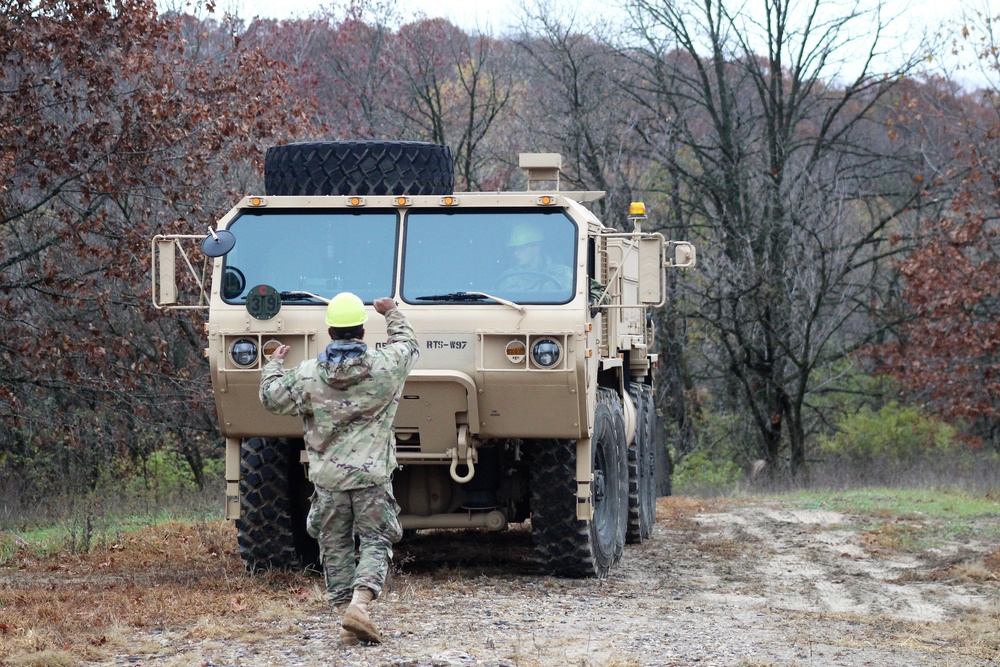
(355, 201)
(256, 201)
(403, 201)
(546, 200)
(269, 347)
(637, 209)
(449, 201)
(515, 351)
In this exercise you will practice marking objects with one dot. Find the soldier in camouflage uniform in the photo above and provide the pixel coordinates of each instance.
(532, 270)
(347, 398)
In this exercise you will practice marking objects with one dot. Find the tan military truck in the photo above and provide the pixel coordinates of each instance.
(533, 395)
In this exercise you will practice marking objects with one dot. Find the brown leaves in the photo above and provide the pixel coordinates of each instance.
(949, 352)
(167, 575)
(111, 120)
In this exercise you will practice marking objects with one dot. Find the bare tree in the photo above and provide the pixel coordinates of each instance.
(791, 182)
(575, 83)
(455, 88)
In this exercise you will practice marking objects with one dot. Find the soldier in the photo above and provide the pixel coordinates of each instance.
(347, 398)
(532, 269)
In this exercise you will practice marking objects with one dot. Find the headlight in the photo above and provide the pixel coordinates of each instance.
(545, 353)
(244, 352)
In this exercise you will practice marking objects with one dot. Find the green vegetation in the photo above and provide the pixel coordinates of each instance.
(943, 504)
(160, 491)
(912, 517)
(715, 467)
(893, 432)
(701, 473)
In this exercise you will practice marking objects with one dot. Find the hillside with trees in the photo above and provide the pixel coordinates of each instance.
(845, 212)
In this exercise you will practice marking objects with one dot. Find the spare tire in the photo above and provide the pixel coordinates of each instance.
(359, 168)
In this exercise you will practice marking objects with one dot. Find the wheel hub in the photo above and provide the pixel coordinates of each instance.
(598, 486)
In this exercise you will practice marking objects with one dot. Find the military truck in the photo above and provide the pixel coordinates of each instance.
(533, 395)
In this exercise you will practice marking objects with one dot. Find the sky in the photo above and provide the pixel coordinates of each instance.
(499, 16)
(468, 14)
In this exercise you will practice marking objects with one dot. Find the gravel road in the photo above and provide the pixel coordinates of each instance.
(746, 583)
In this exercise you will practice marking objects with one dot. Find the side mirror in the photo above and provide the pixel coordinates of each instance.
(190, 291)
(684, 255)
(650, 269)
(218, 243)
(166, 249)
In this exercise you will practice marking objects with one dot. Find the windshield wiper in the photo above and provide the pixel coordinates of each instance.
(296, 295)
(456, 296)
(472, 296)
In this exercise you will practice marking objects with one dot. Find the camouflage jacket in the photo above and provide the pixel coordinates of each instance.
(534, 279)
(347, 399)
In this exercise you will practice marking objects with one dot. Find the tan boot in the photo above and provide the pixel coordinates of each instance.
(356, 619)
(348, 638)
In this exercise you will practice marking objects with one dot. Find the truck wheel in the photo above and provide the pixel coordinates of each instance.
(275, 495)
(641, 467)
(359, 168)
(564, 545)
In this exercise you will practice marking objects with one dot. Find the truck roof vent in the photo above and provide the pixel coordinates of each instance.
(541, 167)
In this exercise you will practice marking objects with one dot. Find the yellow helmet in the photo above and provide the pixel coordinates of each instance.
(523, 235)
(345, 310)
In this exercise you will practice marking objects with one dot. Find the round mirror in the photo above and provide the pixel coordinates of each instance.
(218, 243)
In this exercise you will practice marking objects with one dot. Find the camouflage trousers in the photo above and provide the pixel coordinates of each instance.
(334, 518)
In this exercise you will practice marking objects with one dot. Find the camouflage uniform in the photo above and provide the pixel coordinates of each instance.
(347, 398)
(536, 278)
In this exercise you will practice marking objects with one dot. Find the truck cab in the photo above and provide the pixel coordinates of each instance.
(532, 397)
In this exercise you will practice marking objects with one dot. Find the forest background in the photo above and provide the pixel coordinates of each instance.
(842, 324)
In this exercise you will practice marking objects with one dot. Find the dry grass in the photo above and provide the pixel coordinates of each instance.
(678, 512)
(892, 536)
(187, 581)
(66, 608)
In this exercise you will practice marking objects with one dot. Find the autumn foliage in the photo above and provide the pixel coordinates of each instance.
(115, 123)
(948, 347)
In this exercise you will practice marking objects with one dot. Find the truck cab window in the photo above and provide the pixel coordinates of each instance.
(526, 256)
(321, 252)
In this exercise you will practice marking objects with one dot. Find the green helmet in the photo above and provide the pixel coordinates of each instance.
(345, 310)
(523, 235)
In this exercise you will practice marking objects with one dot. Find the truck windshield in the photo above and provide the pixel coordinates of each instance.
(321, 252)
(527, 255)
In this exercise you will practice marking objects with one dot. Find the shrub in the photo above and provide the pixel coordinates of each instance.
(893, 434)
(699, 472)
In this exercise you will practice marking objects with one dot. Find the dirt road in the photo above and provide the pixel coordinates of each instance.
(721, 583)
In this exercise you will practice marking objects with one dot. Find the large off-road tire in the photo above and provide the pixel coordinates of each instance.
(641, 467)
(275, 496)
(565, 545)
(359, 168)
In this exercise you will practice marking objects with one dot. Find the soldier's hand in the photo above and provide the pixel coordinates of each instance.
(383, 305)
(281, 352)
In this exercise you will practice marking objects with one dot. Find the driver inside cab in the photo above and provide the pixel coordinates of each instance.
(531, 268)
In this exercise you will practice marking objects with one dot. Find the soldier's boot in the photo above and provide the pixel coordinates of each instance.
(356, 619)
(347, 638)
